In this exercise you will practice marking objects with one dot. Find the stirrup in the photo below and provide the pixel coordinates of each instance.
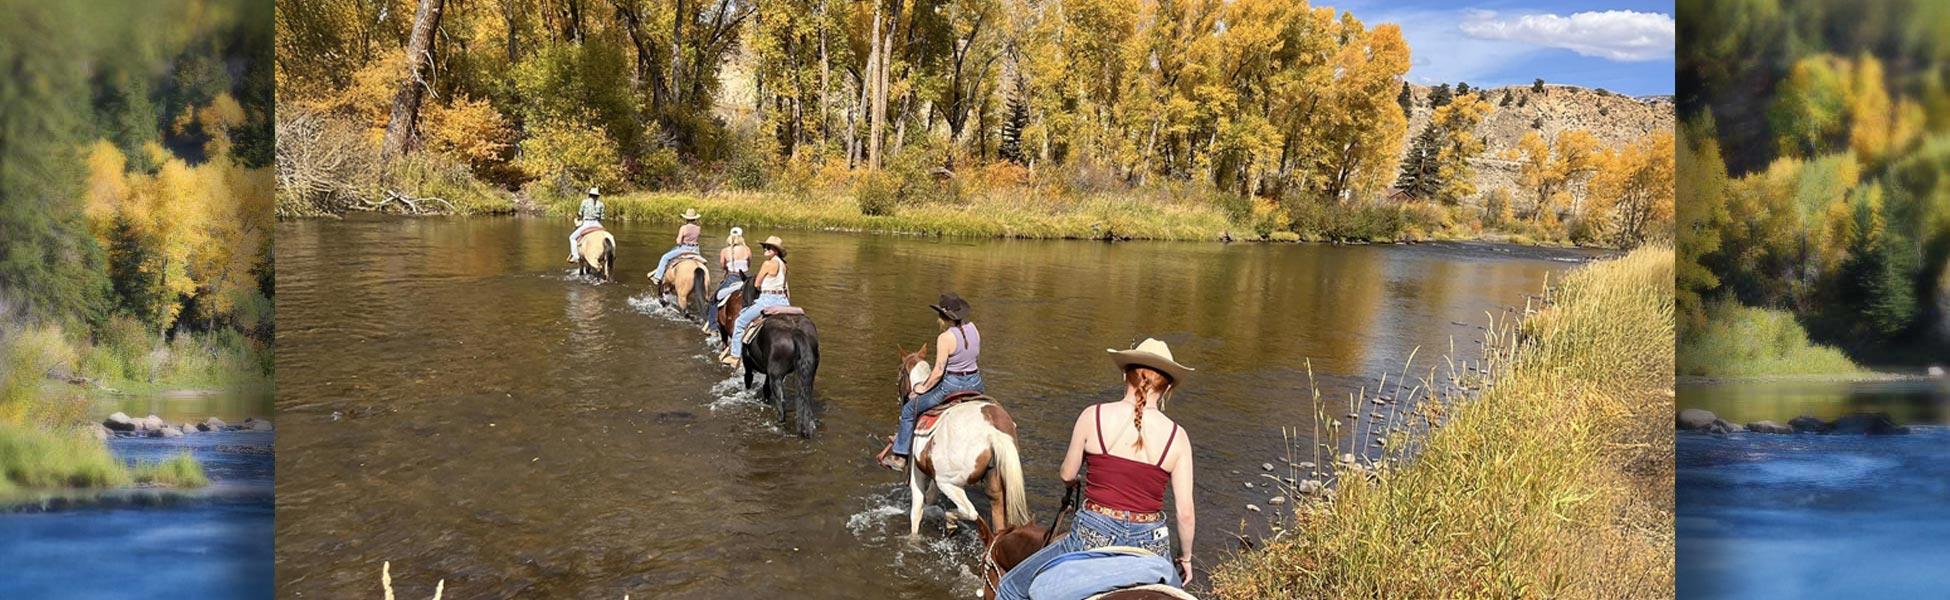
(886, 458)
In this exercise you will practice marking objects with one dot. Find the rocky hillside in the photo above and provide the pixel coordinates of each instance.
(1615, 119)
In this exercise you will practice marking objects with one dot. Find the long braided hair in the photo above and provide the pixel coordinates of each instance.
(1146, 381)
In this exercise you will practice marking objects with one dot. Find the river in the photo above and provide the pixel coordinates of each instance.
(214, 542)
(453, 400)
(1809, 516)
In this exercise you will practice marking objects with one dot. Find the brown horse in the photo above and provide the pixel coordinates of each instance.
(728, 312)
(687, 278)
(1012, 545)
(597, 249)
(972, 440)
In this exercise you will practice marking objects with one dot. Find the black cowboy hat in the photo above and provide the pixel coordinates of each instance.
(951, 307)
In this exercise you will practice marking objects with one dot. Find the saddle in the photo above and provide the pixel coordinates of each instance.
(586, 233)
(924, 424)
(751, 331)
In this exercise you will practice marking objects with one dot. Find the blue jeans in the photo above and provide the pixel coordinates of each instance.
(904, 437)
(731, 285)
(664, 262)
(1091, 530)
(745, 320)
(575, 236)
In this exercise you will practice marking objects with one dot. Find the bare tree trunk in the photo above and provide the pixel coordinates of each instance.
(878, 69)
(676, 49)
(406, 105)
(825, 126)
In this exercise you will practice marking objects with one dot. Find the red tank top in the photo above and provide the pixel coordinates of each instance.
(1126, 484)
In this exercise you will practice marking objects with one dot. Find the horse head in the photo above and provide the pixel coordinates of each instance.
(914, 369)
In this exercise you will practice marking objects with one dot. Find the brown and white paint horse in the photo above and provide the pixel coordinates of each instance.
(972, 439)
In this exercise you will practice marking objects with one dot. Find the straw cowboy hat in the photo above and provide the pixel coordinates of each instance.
(776, 244)
(1153, 354)
(690, 214)
(951, 307)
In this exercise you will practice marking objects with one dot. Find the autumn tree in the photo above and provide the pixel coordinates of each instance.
(1455, 125)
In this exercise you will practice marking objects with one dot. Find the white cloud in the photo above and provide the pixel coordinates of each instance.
(1621, 35)
(1441, 53)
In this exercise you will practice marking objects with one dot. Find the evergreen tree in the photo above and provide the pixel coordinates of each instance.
(1440, 96)
(1506, 99)
(1419, 177)
(1462, 88)
(1406, 99)
(1011, 146)
(137, 281)
(1538, 86)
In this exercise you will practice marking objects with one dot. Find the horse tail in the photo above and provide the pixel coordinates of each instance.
(807, 351)
(700, 279)
(1008, 466)
(609, 255)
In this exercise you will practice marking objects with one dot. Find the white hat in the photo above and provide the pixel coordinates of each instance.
(594, 192)
(1153, 354)
(738, 231)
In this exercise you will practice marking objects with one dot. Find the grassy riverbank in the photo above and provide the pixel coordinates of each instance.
(1743, 341)
(1556, 481)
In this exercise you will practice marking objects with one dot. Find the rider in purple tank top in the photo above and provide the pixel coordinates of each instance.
(955, 369)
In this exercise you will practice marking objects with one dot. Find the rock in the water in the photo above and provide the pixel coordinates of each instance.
(214, 424)
(1311, 487)
(1308, 465)
(1266, 466)
(1348, 458)
(169, 432)
(1252, 507)
(1808, 424)
(1720, 426)
(1249, 485)
(1379, 402)
(96, 431)
(1276, 500)
(153, 422)
(1867, 424)
(1768, 427)
(119, 422)
(255, 424)
(1693, 419)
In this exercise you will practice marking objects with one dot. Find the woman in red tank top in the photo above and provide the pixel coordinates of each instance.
(1133, 453)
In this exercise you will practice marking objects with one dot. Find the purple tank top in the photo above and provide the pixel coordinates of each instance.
(967, 348)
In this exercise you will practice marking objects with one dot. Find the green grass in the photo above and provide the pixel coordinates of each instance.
(1555, 481)
(181, 470)
(1135, 217)
(33, 457)
(1744, 341)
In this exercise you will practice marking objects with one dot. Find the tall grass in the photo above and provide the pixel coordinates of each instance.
(33, 457)
(1552, 481)
(1744, 341)
(180, 470)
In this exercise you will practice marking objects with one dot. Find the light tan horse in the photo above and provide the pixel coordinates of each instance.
(688, 278)
(973, 439)
(598, 252)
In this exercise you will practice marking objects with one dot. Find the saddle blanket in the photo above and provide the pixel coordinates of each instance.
(751, 331)
(924, 424)
(1094, 573)
(584, 234)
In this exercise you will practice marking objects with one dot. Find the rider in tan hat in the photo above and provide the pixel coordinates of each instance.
(772, 291)
(686, 243)
(1132, 461)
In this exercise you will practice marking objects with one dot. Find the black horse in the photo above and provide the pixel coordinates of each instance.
(785, 345)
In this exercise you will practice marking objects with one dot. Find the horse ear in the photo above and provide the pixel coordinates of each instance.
(901, 349)
(924, 350)
(982, 528)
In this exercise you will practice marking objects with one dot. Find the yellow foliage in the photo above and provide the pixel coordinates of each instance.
(582, 154)
(468, 130)
(107, 189)
(1457, 121)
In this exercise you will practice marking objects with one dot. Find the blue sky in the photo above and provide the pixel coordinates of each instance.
(1591, 43)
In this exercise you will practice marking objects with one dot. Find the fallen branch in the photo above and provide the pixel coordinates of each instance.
(412, 204)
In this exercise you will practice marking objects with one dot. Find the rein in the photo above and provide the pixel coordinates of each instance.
(1070, 502)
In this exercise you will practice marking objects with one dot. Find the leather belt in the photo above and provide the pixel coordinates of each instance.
(963, 373)
(1121, 514)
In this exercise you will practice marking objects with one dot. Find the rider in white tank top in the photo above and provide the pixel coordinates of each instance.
(776, 283)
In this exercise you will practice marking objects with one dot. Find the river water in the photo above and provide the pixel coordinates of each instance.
(453, 400)
(1809, 516)
(214, 542)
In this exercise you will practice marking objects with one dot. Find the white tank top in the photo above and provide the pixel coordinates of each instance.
(775, 283)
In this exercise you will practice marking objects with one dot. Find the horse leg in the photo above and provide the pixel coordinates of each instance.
(998, 502)
(775, 386)
(808, 370)
(917, 489)
(964, 510)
